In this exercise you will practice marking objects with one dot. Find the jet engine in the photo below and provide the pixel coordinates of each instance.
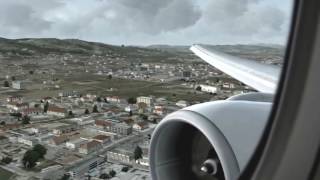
(212, 140)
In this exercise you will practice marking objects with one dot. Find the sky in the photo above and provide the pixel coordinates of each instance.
(146, 22)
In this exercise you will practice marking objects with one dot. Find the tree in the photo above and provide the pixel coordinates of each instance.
(125, 169)
(46, 107)
(31, 72)
(112, 173)
(30, 159)
(40, 149)
(137, 153)
(6, 160)
(65, 177)
(198, 88)
(25, 120)
(109, 76)
(132, 100)
(104, 176)
(95, 109)
(70, 114)
(2, 123)
(130, 113)
(6, 84)
(13, 78)
(99, 99)
(86, 111)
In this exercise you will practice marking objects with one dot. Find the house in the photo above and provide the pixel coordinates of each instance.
(57, 111)
(102, 124)
(75, 144)
(182, 103)
(208, 89)
(19, 85)
(58, 140)
(140, 126)
(17, 107)
(69, 94)
(103, 139)
(83, 167)
(63, 129)
(159, 109)
(30, 141)
(144, 99)
(32, 111)
(39, 130)
(89, 147)
(18, 99)
(120, 156)
(113, 99)
(121, 128)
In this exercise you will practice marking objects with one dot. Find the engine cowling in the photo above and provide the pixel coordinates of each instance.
(213, 140)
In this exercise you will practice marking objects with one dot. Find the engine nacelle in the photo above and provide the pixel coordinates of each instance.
(213, 140)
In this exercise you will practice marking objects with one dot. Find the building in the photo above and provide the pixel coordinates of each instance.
(120, 156)
(58, 140)
(159, 109)
(69, 94)
(113, 99)
(144, 99)
(57, 111)
(30, 141)
(19, 85)
(17, 99)
(103, 139)
(140, 126)
(121, 128)
(86, 166)
(182, 103)
(32, 111)
(52, 172)
(89, 147)
(64, 129)
(102, 124)
(75, 144)
(208, 89)
(17, 107)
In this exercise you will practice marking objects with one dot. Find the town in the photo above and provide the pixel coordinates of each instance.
(75, 116)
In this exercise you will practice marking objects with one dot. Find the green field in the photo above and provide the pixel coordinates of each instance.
(5, 175)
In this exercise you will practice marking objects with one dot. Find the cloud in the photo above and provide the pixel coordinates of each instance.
(148, 21)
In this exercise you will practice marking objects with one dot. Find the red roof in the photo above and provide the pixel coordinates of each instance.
(102, 123)
(56, 109)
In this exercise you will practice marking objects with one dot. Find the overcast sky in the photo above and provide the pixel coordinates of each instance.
(145, 22)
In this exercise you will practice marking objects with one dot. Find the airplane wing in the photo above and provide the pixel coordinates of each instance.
(262, 77)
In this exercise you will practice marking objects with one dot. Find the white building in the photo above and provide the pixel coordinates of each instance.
(52, 172)
(182, 103)
(19, 85)
(144, 99)
(27, 140)
(208, 89)
(75, 144)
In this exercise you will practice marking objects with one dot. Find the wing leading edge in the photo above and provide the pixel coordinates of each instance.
(262, 77)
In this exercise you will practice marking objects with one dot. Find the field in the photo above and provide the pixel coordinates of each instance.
(4, 174)
(95, 84)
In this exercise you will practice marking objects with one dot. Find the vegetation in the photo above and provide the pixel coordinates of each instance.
(45, 107)
(25, 120)
(112, 173)
(6, 84)
(104, 176)
(87, 111)
(6, 160)
(65, 177)
(40, 149)
(137, 153)
(198, 88)
(31, 157)
(95, 109)
(125, 169)
(70, 114)
(132, 100)
(2, 123)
